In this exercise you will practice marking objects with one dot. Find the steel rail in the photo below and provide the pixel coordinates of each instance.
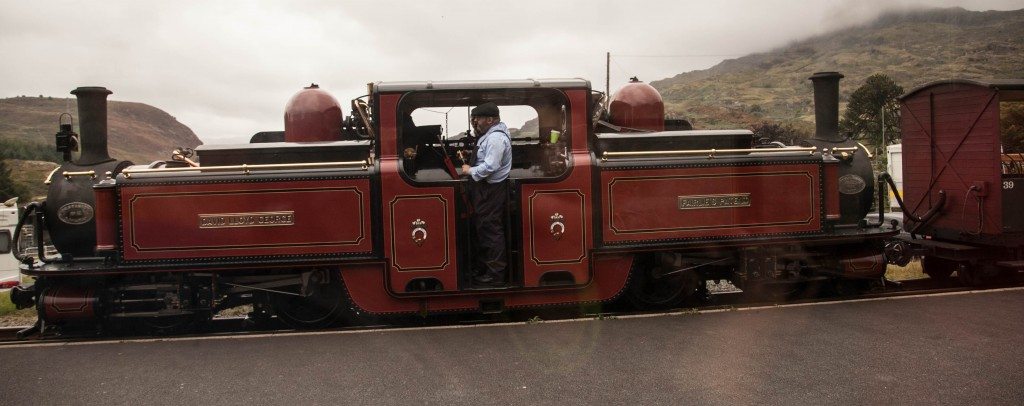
(239, 326)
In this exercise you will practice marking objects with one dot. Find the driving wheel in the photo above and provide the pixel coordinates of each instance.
(658, 287)
(320, 306)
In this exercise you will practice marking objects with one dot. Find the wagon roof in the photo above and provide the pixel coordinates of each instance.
(480, 84)
(999, 84)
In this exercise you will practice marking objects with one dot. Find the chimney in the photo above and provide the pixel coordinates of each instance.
(826, 106)
(92, 123)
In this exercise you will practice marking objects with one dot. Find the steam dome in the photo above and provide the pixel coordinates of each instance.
(638, 105)
(312, 115)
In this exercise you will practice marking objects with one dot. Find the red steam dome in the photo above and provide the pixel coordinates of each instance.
(638, 105)
(312, 115)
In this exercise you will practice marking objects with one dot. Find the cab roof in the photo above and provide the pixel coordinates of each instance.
(382, 87)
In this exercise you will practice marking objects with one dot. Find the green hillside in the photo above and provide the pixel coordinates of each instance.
(913, 48)
(138, 132)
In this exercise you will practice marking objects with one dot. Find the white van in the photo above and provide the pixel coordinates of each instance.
(10, 276)
(895, 168)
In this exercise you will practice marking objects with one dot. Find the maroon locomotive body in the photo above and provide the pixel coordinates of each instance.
(370, 218)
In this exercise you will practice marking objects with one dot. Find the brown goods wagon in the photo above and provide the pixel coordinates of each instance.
(951, 143)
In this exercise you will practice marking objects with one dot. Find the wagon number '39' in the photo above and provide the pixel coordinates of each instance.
(1007, 184)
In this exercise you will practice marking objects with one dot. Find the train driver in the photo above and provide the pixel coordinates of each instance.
(488, 191)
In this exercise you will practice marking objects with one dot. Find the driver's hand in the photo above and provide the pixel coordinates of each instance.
(465, 169)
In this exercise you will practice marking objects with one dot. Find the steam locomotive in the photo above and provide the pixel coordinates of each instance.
(340, 216)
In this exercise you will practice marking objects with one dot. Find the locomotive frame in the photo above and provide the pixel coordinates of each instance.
(648, 214)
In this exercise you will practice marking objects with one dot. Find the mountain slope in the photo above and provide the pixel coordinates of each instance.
(913, 48)
(138, 132)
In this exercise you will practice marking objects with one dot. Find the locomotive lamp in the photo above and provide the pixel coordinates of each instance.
(66, 139)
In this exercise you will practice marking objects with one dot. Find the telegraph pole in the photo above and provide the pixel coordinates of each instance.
(883, 126)
(607, 74)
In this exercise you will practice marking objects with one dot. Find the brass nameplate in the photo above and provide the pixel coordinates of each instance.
(261, 219)
(714, 201)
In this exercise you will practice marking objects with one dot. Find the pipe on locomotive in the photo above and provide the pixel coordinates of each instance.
(885, 178)
(92, 122)
(826, 106)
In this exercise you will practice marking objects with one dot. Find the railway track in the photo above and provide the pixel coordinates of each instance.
(228, 327)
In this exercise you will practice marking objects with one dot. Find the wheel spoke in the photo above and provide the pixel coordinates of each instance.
(321, 307)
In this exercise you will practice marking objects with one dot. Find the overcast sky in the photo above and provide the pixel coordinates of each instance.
(227, 68)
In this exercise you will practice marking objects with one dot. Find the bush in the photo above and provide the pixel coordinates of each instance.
(769, 131)
(29, 151)
(8, 188)
(1011, 127)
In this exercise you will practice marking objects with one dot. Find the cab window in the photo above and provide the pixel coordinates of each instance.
(434, 125)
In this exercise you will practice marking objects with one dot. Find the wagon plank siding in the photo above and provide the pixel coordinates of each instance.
(956, 129)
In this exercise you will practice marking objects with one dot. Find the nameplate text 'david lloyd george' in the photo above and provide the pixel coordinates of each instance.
(261, 219)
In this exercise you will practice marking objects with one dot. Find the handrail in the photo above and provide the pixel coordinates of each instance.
(870, 155)
(845, 153)
(711, 153)
(47, 181)
(69, 175)
(247, 169)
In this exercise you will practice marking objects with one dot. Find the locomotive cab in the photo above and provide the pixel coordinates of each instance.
(546, 244)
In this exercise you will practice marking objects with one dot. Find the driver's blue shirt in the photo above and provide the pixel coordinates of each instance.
(493, 155)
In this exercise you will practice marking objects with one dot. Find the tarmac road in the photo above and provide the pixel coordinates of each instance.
(948, 349)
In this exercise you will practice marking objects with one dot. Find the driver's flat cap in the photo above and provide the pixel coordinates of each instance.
(488, 109)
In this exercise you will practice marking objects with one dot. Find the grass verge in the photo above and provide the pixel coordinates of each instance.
(11, 316)
(912, 271)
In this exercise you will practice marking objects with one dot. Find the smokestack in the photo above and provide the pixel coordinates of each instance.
(826, 106)
(92, 123)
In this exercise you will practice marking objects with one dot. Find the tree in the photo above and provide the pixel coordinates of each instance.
(874, 103)
(27, 150)
(1011, 123)
(768, 131)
